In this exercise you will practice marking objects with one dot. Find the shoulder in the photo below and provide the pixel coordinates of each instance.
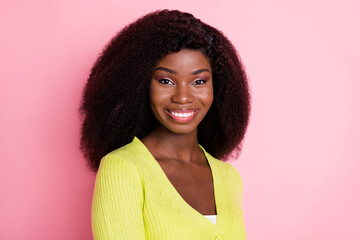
(127, 156)
(229, 172)
(121, 163)
(231, 179)
(226, 168)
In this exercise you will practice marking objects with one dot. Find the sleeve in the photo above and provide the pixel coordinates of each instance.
(235, 188)
(118, 201)
(238, 187)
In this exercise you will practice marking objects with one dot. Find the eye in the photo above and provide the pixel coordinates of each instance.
(166, 81)
(198, 82)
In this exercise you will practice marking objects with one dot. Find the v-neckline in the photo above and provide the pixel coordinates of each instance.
(192, 214)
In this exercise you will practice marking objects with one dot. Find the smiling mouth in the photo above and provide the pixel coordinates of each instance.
(182, 116)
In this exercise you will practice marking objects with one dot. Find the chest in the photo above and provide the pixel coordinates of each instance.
(194, 183)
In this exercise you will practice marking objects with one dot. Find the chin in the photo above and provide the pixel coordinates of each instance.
(181, 129)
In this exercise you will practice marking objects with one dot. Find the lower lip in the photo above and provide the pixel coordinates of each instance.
(182, 119)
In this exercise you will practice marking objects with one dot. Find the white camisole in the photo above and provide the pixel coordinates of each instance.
(212, 218)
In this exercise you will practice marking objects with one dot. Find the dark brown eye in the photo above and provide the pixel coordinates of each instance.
(166, 81)
(198, 82)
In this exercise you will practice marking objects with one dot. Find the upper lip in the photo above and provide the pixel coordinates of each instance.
(182, 110)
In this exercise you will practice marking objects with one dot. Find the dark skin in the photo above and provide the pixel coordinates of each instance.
(181, 93)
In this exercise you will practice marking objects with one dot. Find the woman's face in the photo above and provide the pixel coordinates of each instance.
(181, 90)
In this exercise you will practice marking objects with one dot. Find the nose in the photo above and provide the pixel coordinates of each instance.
(182, 94)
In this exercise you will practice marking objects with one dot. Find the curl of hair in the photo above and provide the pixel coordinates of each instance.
(115, 105)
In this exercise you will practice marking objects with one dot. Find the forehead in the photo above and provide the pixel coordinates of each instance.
(185, 59)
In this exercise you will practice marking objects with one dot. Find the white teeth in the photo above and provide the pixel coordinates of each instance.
(182, 115)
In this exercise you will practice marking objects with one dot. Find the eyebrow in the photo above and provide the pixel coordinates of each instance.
(175, 72)
(200, 71)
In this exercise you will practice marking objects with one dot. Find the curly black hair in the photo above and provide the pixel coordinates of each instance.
(115, 105)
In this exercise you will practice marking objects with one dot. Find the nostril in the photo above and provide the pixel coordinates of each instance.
(182, 98)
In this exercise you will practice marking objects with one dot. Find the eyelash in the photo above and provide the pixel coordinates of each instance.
(198, 80)
(166, 81)
(162, 81)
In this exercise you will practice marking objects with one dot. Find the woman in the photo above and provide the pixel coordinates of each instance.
(167, 96)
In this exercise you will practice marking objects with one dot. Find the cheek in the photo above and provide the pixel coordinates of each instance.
(210, 101)
(210, 94)
(153, 95)
(155, 108)
(157, 98)
(208, 97)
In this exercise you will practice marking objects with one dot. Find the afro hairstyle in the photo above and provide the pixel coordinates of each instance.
(115, 104)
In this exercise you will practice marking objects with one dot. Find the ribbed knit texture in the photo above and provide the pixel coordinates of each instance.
(133, 199)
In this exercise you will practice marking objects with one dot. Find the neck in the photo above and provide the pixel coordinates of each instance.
(180, 146)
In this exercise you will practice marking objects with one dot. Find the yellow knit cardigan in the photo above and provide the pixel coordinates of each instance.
(133, 199)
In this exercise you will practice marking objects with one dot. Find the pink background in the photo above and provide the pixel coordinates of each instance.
(301, 159)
